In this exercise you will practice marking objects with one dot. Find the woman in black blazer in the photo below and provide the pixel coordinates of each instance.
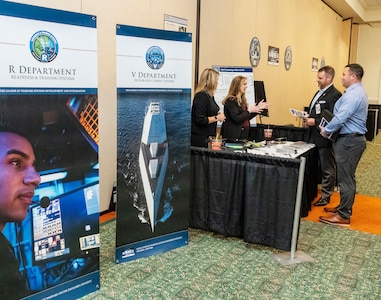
(205, 110)
(238, 112)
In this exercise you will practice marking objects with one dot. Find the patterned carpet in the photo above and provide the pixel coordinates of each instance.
(346, 266)
(368, 172)
(346, 262)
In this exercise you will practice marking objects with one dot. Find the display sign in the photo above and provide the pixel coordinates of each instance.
(273, 56)
(175, 23)
(48, 95)
(154, 69)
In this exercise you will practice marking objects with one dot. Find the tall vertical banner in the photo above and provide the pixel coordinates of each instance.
(48, 95)
(153, 110)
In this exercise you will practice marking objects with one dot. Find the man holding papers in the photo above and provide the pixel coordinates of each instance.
(324, 100)
(349, 120)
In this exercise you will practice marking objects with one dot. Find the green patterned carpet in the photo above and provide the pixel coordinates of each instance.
(368, 172)
(346, 264)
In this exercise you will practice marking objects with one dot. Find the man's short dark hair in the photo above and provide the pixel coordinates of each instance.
(328, 70)
(5, 127)
(356, 69)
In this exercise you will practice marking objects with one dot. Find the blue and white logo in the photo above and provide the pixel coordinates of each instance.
(43, 46)
(128, 252)
(155, 57)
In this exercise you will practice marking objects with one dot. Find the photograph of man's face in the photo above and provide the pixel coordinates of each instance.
(18, 177)
(48, 150)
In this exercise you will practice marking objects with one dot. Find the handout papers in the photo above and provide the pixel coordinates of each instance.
(325, 119)
(299, 113)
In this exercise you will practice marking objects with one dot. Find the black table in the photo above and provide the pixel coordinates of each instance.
(249, 196)
(372, 123)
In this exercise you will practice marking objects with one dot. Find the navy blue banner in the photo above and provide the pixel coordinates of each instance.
(151, 246)
(46, 91)
(49, 131)
(153, 90)
(71, 290)
(228, 69)
(154, 111)
(46, 14)
(153, 33)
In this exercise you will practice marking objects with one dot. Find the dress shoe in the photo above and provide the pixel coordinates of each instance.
(331, 210)
(322, 201)
(335, 220)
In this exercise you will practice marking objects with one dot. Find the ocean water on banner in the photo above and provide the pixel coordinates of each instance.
(132, 107)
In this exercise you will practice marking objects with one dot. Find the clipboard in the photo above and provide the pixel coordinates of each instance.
(325, 119)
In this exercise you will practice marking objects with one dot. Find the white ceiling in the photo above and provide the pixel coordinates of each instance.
(361, 11)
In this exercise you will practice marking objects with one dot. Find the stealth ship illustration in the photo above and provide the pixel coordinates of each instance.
(153, 158)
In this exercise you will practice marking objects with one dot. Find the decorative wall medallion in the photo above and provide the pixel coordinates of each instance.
(322, 62)
(255, 52)
(288, 58)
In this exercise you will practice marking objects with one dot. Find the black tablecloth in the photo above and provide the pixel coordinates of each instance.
(248, 196)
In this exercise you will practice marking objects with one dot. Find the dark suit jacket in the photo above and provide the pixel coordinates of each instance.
(204, 106)
(233, 128)
(326, 101)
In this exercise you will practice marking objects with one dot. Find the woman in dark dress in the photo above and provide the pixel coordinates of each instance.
(205, 110)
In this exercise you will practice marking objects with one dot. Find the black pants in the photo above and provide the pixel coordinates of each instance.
(328, 171)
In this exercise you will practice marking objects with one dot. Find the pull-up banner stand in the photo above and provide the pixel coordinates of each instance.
(153, 108)
(48, 94)
(227, 73)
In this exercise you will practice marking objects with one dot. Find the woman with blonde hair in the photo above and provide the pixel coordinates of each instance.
(205, 110)
(238, 112)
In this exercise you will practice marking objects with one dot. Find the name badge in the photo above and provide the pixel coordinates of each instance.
(318, 108)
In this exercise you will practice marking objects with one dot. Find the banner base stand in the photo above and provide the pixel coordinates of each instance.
(287, 259)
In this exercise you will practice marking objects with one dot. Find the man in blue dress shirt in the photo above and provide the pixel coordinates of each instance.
(349, 121)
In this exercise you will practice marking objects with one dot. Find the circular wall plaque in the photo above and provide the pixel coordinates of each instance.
(255, 52)
(322, 62)
(288, 58)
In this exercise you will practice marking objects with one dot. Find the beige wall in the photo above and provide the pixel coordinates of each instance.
(309, 27)
(227, 27)
(369, 56)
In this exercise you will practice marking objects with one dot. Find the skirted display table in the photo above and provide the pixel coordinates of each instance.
(251, 196)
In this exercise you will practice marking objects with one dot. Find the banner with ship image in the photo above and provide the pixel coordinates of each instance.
(154, 75)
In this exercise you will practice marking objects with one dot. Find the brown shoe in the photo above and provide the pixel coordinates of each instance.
(331, 210)
(335, 220)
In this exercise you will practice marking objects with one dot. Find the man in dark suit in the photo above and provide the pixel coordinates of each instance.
(324, 99)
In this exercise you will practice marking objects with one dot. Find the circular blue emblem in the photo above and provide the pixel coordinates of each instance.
(155, 57)
(43, 46)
